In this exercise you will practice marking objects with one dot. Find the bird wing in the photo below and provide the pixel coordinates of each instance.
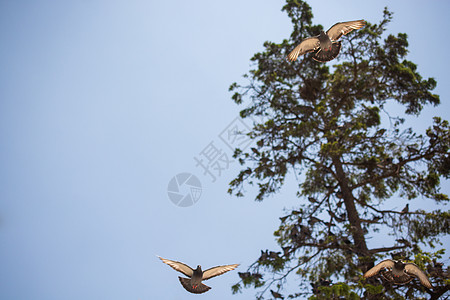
(338, 29)
(216, 271)
(307, 45)
(388, 263)
(178, 266)
(413, 269)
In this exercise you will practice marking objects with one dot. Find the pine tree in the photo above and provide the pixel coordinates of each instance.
(331, 126)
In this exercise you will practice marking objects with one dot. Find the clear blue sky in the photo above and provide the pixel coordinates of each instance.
(103, 102)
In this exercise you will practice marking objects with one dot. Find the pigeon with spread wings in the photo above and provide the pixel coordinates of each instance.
(399, 272)
(194, 283)
(326, 45)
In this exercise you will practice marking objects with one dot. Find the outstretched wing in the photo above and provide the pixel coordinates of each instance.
(307, 45)
(178, 266)
(338, 29)
(413, 269)
(216, 271)
(388, 263)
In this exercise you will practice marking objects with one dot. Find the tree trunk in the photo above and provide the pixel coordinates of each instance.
(352, 213)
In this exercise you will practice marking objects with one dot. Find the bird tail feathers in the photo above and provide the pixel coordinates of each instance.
(324, 56)
(196, 289)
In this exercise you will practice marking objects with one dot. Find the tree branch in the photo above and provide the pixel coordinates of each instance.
(386, 249)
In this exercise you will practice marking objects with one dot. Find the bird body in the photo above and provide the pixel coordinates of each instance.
(325, 41)
(244, 275)
(194, 283)
(398, 269)
(399, 272)
(405, 209)
(276, 295)
(326, 45)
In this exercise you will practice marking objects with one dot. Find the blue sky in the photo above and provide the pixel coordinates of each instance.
(103, 102)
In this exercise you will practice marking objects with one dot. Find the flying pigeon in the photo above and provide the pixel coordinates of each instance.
(326, 45)
(399, 272)
(194, 283)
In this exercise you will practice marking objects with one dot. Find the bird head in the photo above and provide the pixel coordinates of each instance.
(199, 268)
(398, 263)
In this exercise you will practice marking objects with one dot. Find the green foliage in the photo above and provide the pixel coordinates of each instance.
(374, 289)
(336, 291)
(326, 125)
